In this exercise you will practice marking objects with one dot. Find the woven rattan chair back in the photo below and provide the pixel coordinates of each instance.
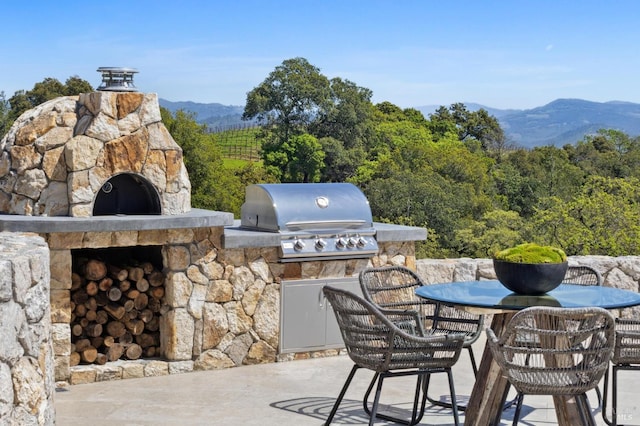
(555, 351)
(582, 275)
(394, 287)
(374, 341)
(627, 348)
(626, 356)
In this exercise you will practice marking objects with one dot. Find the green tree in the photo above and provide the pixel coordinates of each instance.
(607, 153)
(523, 177)
(251, 173)
(497, 230)
(400, 136)
(19, 103)
(296, 99)
(470, 125)
(340, 163)
(5, 109)
(604, 218)
(438, 185)
(442, 123)
(347, 117)
(386, 111)
(298, 160)
(514, 191)
(75, 85)
(213, 186)
(289, 99)
(307, 159)
(47, 89)
(344, 128)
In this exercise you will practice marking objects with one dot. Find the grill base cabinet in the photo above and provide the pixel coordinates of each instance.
(307, 322)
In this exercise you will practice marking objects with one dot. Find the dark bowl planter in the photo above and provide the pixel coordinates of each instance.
(530, 278)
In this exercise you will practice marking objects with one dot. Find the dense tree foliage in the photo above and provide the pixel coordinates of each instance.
(603, 218)
(289, 99)
(299, 159)
(5, 110)
(49, 88)
(477, 126)
(213, 186)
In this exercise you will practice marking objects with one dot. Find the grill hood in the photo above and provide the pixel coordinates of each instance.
(291, 207)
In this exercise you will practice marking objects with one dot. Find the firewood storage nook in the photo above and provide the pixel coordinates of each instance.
(141, 283)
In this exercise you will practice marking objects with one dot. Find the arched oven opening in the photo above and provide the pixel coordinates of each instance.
(127, 194)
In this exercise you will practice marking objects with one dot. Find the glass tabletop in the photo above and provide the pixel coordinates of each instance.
(493, 295)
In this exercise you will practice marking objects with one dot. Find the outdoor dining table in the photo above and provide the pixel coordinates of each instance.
(490, 297)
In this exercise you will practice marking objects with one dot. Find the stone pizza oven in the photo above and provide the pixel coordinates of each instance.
(100, 178)
(71, 155)
(141, 283)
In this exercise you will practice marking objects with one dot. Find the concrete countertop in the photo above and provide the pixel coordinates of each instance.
(196, 218)
(234, 236)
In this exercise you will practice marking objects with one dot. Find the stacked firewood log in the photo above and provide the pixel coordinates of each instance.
(115, 311)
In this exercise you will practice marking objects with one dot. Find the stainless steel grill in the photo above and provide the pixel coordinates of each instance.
(315, 220)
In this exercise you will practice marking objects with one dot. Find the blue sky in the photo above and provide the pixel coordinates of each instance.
(501, 54)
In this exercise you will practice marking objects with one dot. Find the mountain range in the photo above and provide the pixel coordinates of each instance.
(563, 121)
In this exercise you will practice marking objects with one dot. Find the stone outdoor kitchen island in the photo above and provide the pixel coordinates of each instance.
(99, 178)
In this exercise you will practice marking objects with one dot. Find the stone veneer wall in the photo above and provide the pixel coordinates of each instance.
(26, 356)
(222, 305)
(226, 302)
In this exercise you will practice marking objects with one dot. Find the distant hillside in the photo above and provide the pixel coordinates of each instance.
(569, 120)
(563, 121)
(214, 115)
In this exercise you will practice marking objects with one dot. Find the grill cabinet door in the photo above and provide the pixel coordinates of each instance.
(307, 322)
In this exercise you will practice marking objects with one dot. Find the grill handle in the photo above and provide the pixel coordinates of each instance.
(326, 223)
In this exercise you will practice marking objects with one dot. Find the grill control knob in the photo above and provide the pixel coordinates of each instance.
(341, 243)
(361, 242)
(320, 244)
(298, 245)
(351, 242)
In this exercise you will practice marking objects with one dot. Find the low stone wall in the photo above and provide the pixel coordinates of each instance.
(620, 272)
(26, 354)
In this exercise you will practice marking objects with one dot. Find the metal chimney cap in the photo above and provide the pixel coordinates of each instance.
(117, 79)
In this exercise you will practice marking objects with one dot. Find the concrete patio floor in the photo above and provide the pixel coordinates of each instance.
(288, 393)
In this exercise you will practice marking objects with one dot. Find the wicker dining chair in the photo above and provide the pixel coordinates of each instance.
(626, 356)
(374, 341)
(554, 351)
(393, 287)
(586, 276)
(582, 275)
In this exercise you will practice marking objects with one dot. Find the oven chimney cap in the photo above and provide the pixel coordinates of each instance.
(117, 79)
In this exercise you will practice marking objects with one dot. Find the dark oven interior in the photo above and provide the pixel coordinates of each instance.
(127, 194)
